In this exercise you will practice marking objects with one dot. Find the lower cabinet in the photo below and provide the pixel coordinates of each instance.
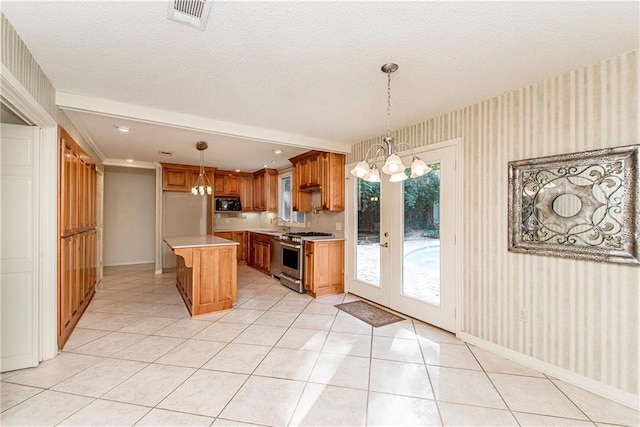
(207, 278)
(236, 236)
(324, 267)
(78, 262)
(259, 256)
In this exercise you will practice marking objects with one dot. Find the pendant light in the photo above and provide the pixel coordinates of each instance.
(393, 165)
(202, 185)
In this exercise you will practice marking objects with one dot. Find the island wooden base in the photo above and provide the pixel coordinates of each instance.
(207, 278)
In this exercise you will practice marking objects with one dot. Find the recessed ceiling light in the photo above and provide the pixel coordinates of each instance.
(237, 170)
(165, 153)
(277, 151)
(129, 160)
(264, 166)
(273, 162)
(123, 129)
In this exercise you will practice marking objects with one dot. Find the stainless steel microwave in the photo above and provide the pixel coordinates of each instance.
(228, 204)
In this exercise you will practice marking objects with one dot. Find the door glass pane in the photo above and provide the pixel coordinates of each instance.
(368, 232)
(421, 239)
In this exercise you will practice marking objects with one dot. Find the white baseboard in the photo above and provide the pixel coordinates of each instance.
(604, 390)
(119, 264)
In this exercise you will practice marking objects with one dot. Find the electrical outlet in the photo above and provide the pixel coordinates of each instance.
(338, 226)
(523, 315)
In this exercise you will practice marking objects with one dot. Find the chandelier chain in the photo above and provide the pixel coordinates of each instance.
(388, 105)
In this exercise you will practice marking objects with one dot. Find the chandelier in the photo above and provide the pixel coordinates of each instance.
(202, 185)
(392, 164)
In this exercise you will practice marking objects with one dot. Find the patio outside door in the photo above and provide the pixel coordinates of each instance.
(402, 240)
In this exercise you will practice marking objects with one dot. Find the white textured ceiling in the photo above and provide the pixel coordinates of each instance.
(298, 73)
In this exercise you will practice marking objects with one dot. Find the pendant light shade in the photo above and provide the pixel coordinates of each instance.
(361, 170)
(419, 168)
(374, 174)
(398, 177)
(393, 165)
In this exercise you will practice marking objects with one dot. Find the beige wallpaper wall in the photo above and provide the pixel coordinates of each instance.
(583, 316)
(16, 57)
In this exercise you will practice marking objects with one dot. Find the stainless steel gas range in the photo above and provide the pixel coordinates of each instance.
(292, 271)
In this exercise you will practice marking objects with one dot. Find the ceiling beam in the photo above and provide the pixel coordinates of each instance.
(105, 107)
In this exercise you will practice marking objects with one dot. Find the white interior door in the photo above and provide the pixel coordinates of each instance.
(402, 240)
(18, 253)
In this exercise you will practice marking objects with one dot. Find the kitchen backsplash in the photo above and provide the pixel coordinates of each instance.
(322, 221)
(238, 220)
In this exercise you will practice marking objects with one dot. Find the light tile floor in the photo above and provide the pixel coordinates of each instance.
(279, 358)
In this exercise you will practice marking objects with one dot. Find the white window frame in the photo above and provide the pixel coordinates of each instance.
(289, 223)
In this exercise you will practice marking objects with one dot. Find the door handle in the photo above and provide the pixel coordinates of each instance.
(288, 245)
(384, 245)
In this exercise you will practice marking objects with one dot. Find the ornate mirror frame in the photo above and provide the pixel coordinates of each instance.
(580, 205)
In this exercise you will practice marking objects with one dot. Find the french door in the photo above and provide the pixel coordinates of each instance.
(402, 239)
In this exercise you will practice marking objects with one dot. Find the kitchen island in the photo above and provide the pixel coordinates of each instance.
(206, 272)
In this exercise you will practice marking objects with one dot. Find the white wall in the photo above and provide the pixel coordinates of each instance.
(129, 215)
(582, 315)
(183, 215)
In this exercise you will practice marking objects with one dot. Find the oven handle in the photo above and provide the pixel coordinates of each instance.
(288, 245)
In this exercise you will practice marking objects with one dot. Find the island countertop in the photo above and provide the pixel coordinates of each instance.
(179, 242)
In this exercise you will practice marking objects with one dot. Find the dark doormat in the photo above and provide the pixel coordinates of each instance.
(369, 313)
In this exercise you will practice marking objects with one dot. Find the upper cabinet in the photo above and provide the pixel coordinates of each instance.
(258, 191)
(318, 170)
(235, 184)
(77, 187)
(309, 174)
(227, 184)
(182, 177)
(246, 192)
(265, 190)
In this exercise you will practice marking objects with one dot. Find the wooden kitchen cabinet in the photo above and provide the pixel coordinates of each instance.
(236, 236)
(206, 273)
(265, 190)
(332, 181)
(324, 267)
(77, 239)
(301, 200)
(246, 192)
(181, 178)
(309, 172)
(322, 171)
(259, 255)
(227, 184)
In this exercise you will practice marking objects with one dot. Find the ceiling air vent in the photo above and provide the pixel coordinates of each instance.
(190, 12)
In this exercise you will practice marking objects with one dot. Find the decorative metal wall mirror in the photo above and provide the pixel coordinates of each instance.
(580, 205)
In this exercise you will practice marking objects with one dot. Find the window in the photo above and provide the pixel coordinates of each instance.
(285, 210)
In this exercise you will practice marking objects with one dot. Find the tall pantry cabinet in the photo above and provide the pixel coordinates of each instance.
(77, 234)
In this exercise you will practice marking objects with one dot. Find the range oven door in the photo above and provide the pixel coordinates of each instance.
(292, 260)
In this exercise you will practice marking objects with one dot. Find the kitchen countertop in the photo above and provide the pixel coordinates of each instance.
(271, 232)
(197, 241)
(267, 231)
(322, 238)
